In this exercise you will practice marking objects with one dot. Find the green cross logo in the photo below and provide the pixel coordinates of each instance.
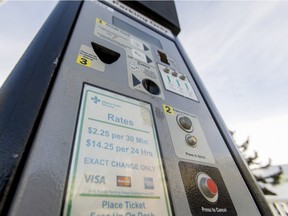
(95, 99)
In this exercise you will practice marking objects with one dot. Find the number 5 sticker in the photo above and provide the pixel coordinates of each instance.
(168, 109)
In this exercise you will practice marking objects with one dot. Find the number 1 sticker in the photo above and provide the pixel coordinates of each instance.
(168, 109)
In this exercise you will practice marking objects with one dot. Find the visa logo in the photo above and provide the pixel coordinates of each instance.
(96, 179)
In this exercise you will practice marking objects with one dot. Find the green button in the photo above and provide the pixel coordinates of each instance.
(185, 122)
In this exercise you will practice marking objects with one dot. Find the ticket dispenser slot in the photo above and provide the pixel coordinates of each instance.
(127, 130)
(106, 55)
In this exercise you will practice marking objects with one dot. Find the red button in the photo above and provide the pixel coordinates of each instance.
(207, 187)
(212, 187)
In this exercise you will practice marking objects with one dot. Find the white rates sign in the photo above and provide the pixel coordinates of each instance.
(116, 166)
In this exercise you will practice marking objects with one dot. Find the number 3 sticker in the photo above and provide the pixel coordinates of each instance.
(168, 109)
(83, 61)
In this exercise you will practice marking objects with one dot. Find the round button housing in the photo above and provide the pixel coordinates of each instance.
(174, 73)
(182, 77)
(166, 70)
(207, 187)
(185, 123)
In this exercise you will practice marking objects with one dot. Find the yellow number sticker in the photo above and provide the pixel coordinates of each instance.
(83, 61)
(168, 109)
(100, 21)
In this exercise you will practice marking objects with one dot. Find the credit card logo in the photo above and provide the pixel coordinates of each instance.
(123, 181)
(148, 183)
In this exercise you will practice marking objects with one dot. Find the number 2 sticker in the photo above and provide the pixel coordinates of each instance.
(168, 109)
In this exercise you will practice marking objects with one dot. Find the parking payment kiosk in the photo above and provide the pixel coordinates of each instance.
(125, 126)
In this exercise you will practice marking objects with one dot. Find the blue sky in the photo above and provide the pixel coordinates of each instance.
(19, 23)
(239, 48)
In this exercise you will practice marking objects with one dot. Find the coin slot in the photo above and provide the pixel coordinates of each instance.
(151, 87)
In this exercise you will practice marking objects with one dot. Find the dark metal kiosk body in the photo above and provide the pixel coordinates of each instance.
(105, 115)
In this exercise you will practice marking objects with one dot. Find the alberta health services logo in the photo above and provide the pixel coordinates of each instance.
(95, 99)
(109, 104)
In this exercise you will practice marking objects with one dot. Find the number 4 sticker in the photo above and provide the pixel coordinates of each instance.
(168, 109)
